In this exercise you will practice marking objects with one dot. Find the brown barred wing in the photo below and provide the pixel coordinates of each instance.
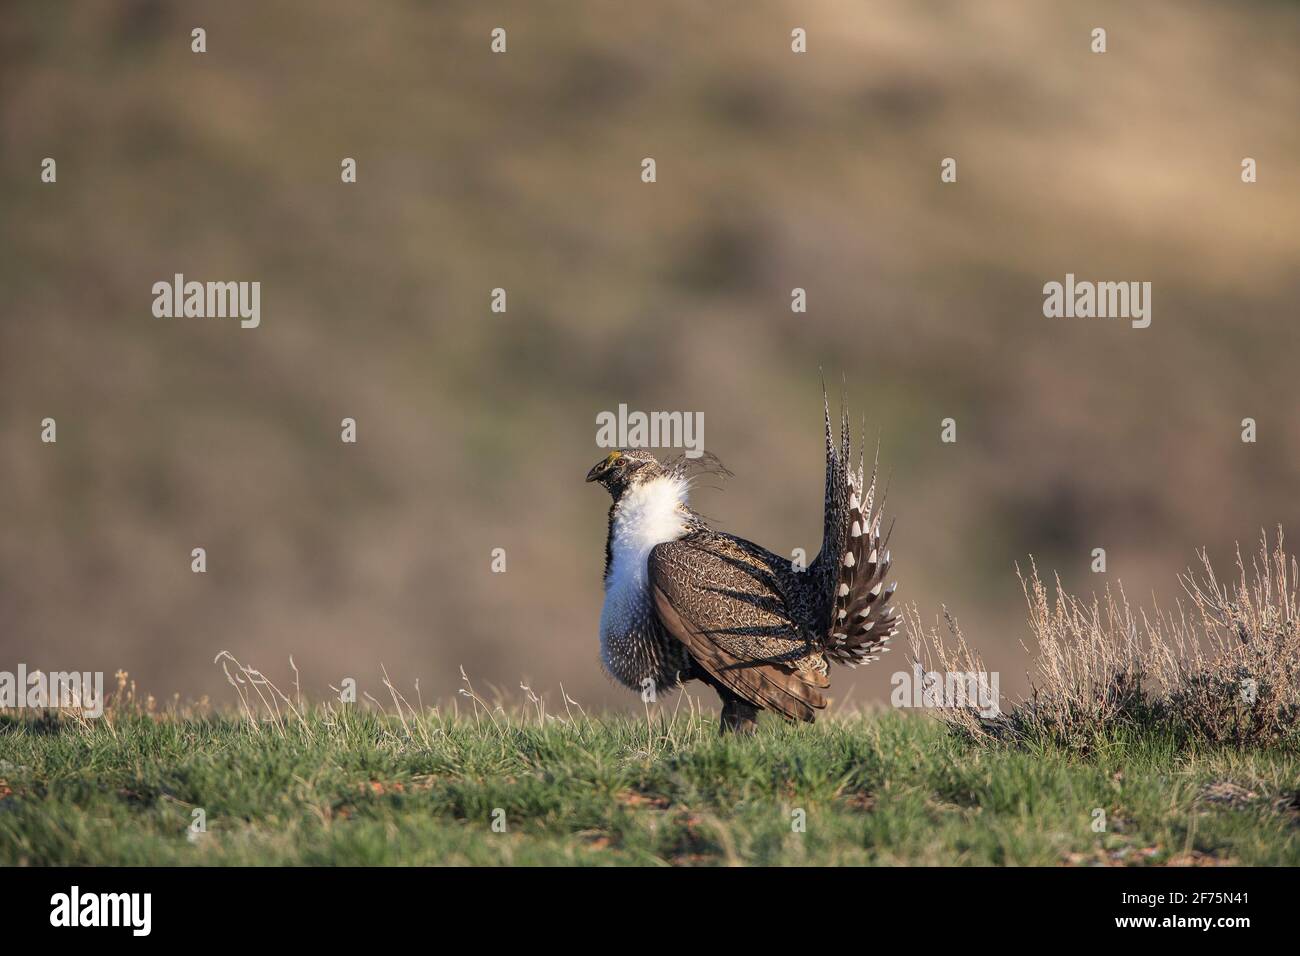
(732, 619)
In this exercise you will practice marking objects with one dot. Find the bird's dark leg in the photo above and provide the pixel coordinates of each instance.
(739, 716)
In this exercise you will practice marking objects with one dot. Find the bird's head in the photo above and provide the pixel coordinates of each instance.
(624, 468)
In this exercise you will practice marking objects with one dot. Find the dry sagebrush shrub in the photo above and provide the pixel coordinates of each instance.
(1241, 682)
(1224, 669)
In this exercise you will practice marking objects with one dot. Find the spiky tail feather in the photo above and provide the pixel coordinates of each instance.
(824, 571)
(862, 621)
(854, 559)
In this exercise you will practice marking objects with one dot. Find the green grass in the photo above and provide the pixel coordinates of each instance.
(363, 788)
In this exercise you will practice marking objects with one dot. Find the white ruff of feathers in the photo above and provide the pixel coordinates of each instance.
(648, 514)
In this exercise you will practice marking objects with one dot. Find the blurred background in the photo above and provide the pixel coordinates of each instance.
(522, 171)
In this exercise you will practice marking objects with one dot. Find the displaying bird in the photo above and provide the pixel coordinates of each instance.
(684, 602)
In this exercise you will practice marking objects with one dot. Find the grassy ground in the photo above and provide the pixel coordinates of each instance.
(364, 788)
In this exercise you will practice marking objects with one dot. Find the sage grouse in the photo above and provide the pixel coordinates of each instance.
(685, 602)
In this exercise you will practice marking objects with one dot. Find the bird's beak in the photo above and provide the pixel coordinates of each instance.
(603, 466)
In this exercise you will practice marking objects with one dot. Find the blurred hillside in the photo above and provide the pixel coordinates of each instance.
(522, 171)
